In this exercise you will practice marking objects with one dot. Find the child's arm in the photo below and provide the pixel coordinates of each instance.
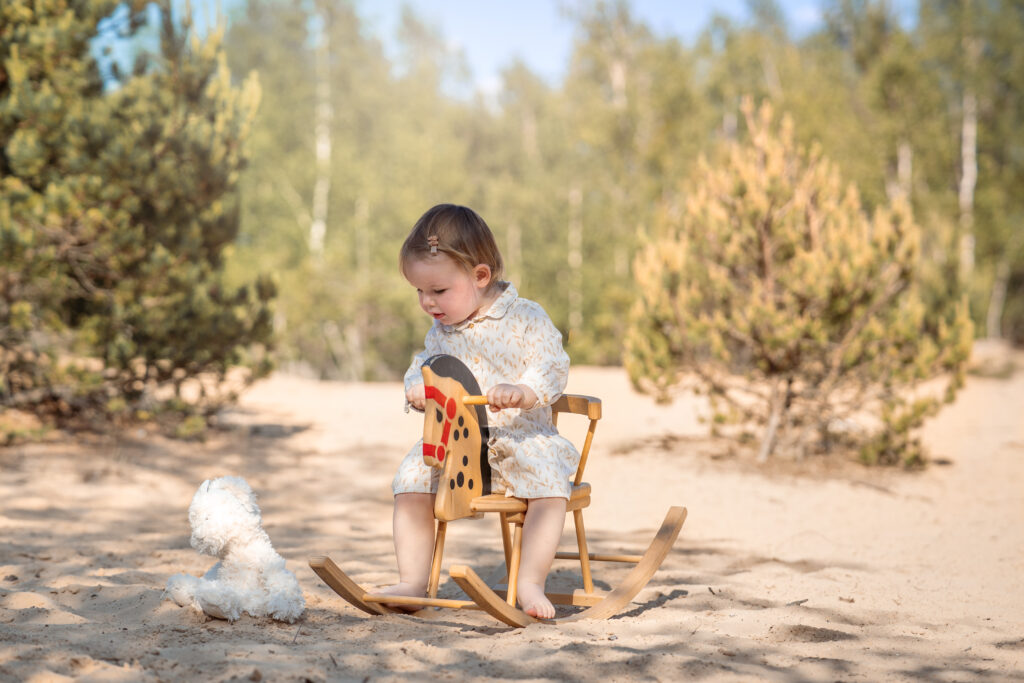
(415, 395)
(546, 363)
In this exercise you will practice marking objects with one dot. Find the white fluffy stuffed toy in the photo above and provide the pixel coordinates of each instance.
(251, 576)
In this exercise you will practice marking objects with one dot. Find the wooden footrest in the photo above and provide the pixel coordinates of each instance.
(579, 597)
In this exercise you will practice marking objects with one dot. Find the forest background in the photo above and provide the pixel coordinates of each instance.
(316, 187)
(349, 148)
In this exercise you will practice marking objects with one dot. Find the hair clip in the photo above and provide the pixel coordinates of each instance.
(432, 241)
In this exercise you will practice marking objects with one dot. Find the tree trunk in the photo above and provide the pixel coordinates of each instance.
(968, 181)
(575, 259)
(905, 168)
(968, 154)
(997, 299)
(617, 75)
(361, 220)
(776, 405)
(899, 187)
(324, 116)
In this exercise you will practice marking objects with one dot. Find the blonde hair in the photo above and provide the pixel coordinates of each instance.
(457, 231)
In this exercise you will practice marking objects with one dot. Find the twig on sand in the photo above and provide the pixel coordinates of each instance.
(796, 603)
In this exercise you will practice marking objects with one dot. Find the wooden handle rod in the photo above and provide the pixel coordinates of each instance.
(474, 400)
(598, 557)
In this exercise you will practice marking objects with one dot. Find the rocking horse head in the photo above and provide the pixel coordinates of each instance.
(454, 436)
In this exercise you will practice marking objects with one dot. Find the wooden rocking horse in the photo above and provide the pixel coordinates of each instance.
(455, 437)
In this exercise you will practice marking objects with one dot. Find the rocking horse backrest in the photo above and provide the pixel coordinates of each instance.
(455, 436)
(577, 404)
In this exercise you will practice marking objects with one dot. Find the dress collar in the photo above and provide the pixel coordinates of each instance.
(497, 310)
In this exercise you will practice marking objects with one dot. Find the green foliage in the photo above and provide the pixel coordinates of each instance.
(116, 212)
(399, 144)
(118, 209)
(567, 174)
(769, 287)
(396, 148)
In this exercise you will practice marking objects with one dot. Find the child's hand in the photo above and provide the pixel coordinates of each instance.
(417, 397)
(511, 396)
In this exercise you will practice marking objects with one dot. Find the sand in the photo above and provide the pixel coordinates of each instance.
(845, 573)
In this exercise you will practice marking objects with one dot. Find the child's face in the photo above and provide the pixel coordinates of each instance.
(448, 292)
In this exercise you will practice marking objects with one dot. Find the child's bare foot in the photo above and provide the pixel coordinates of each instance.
(401, 588)
(534, 602)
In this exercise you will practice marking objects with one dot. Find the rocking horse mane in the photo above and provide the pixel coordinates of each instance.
(452, 368)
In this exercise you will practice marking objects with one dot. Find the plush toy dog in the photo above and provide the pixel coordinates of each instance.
(250, 576)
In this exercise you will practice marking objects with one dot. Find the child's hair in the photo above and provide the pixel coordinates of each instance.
(457, 231)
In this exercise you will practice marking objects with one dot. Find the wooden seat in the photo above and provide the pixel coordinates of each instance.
(499, 502)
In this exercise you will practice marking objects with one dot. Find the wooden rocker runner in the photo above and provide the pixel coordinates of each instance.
(455, 437)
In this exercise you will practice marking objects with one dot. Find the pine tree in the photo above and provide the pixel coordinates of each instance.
(116, 211)
(798, 314)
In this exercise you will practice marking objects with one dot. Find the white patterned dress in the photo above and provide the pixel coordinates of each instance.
(513, 342)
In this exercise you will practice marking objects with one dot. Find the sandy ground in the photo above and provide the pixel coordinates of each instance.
(852, 574)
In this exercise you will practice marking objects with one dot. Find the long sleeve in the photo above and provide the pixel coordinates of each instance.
(414, 375)
(547, 363)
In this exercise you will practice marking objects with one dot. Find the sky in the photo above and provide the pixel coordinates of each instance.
(493, 33)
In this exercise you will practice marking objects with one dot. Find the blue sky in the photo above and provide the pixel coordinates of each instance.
(492, 33)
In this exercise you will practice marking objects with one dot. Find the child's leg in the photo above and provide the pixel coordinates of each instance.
(542, 529)
(413, 526)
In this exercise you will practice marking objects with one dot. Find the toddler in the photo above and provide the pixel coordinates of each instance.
(516, 354)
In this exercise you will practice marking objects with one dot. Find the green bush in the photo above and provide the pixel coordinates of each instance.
(116, 210)
(771, 290)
